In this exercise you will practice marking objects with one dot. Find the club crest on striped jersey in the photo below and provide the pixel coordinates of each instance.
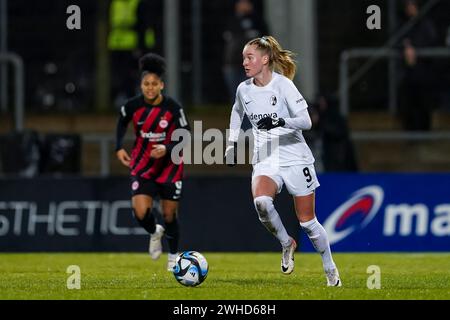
(273, 100)
(163, 123)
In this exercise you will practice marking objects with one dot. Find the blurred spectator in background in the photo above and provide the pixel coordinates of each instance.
(243, 26)
(445, 87)
(134, 26)
(416, 85)
(149, 27)
(337, 148)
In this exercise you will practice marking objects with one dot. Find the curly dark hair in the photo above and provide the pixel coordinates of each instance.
(152, 63)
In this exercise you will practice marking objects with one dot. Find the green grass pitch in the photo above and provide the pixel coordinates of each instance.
(241, 276)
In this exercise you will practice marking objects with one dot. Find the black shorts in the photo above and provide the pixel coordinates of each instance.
(166, 191)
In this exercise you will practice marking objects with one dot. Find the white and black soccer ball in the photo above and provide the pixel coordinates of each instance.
(191, 268)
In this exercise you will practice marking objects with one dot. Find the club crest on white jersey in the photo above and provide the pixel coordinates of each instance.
(273, 100)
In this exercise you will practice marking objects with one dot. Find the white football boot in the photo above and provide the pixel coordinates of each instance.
(155, 245)
(333, 279)
(287, 257)
(171, 257)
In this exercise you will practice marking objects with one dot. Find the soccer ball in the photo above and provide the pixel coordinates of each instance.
(191, 268)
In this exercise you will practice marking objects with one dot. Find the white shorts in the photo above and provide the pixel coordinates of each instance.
(300, 180)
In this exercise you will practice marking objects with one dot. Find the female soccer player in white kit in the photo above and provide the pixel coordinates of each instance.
(278, 114)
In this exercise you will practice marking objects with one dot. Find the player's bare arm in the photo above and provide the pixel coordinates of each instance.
(123, 157)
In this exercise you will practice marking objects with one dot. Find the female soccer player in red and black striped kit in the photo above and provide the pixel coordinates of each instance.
(153, 173)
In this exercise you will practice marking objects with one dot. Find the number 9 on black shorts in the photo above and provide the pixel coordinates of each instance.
(166, 191)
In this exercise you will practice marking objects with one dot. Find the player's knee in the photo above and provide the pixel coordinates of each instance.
(169, 215)
(263, 205)
(139, 213)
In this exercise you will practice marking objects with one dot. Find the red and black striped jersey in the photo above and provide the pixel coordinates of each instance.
(153, 124)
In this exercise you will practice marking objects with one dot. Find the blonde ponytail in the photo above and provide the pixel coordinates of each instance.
(280, 60)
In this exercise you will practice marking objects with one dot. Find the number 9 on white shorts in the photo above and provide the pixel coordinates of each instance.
(300, 180)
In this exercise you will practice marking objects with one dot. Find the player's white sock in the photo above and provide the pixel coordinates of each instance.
(270, 218)
(319, 239)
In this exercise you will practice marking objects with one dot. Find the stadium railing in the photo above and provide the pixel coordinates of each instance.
(106, 141)
(19, 86)
(346, 81)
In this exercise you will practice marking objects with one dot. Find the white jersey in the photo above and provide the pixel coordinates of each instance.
(278, 99)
